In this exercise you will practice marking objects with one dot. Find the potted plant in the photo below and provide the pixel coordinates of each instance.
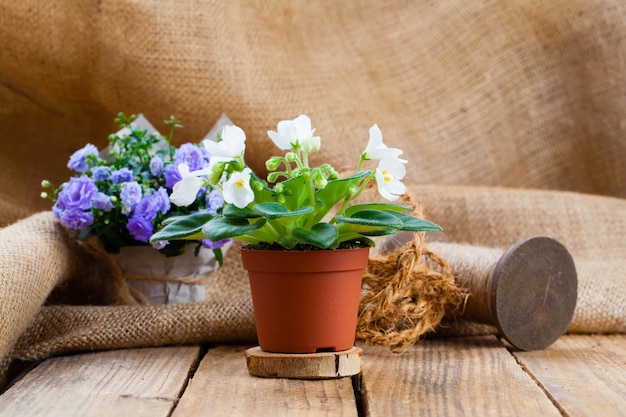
(117, 197)
(307, 239)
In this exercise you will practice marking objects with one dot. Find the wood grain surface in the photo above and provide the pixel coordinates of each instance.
(132, 382)
(579, 375)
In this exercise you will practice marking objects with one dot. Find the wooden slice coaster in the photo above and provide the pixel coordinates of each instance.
(323, 365)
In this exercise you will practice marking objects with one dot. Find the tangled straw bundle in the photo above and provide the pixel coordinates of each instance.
(406, 293)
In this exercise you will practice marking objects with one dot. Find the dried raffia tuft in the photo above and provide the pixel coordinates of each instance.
(406, 294)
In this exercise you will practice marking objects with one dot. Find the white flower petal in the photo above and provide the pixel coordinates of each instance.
(302, 125)
(185, 191)
(376, 149)
(237, 189)
(290, 132)
(232, 145)
(388, 175)
(279, 140)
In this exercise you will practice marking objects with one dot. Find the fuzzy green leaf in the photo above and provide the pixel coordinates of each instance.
(184, 227)
(231, 210)
(322, 235)
(276, 210)
(375, 206)
(295, 192)
(372, 218)
(227, 227)
(413, 224)
(339, 189)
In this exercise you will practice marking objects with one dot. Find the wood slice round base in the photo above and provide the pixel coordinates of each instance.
(323, 365)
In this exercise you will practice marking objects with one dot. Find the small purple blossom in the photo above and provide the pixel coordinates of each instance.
(190, 155)
(77, 194)
(103, 202)
(78, 161)
(209, 244)
(140, 228)
(101, 173)
(214, 201)
(172, 176)
(76, 219)
(160, 244)
(156, 166)
(148, 207)
(163, 200)
(130, 195)
(122, 175)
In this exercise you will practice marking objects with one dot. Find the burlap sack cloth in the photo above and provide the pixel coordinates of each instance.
(514, 111)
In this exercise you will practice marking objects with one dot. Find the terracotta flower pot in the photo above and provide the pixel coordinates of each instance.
(307, 301)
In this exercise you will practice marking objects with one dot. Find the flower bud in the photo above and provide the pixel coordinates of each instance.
(280, 187)
(273, 163)
(291, 156)
(46, 184)
(320, 182)
(273, 176)
(43, 194)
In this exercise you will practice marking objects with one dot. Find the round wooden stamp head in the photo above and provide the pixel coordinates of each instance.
(533, 292)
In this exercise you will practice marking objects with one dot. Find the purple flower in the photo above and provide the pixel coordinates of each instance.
(160, 244)
(209, 244)
(163, 200)
(76, 219)
(101, 173)
(156, 166)
(130, 195)
(77, 194)
(140, 228)
(214, 201)
(78, 161)
(172, 176)
(122, 175)
(103, 202)
(148, 207)
(190, 155)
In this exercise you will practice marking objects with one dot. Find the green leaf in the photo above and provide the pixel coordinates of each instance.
(373, 218)
(338, 189)
(184, 227)
(231, 210)
(380, 231)
(287, 242)
(375, 206)
(345, 229)
(277, 211)
(227, 227)
(321, 235)
(295, 192)
(413, 224)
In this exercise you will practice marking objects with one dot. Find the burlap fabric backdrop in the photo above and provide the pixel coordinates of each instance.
(525, 95)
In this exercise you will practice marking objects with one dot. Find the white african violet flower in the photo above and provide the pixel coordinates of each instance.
(231, 146)
(295, 131)
(186, 190)
(237, 189)
(388, 175)
(376, 149)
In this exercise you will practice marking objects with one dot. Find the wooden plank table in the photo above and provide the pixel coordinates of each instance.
(579, 375)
